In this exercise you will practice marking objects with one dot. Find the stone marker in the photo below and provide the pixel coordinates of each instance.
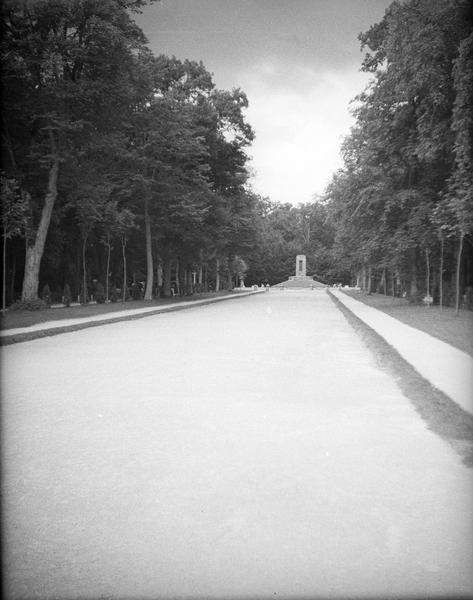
(300, 265)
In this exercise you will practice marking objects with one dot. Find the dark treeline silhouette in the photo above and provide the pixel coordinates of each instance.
(125, 174)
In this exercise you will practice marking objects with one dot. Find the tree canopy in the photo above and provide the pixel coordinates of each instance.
(128, 172)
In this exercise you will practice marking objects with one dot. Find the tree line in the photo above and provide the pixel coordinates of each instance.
(403, 201)
(119, 167)
(125, 174)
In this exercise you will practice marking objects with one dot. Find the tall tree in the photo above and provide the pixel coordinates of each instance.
(67, 71)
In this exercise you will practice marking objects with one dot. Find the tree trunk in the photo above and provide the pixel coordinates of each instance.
(167, 278)
(441, 274)
(84, 271)
(217, 274)
(13, 277)
(109, 249)
(159, 279)
(34, 253)
(178, 274)
(230, 273)
(369, 280)
(413, 290)
(149, 252)
(381, 282)
(358, 279)
(384, 283)
(427, 267)
(4, 280)
(363, 278)
(457, 275)
(123, 240)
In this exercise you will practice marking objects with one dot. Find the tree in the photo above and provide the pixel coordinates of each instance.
(398, 157)
(15, 212)
(67, 72)
(460, 191)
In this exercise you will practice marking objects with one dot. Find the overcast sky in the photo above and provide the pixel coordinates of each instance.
(298, 62)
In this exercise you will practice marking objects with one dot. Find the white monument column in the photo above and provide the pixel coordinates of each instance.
(300, 265)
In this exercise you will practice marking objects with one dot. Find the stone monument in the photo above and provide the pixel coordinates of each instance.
(301, 265)
(300, 279)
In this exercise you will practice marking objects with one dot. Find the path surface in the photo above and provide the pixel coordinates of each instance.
(249, 448)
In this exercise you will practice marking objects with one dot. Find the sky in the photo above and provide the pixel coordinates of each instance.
(298, 61)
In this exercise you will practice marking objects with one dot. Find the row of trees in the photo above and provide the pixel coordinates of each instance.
(126, 173)
(118, 165)
(403, 203)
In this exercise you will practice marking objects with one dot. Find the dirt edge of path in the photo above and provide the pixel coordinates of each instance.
(441, 414)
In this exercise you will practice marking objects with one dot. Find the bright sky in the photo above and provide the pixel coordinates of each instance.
(298, 62)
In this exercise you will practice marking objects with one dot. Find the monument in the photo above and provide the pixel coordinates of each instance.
(301, 279)
(301, 265)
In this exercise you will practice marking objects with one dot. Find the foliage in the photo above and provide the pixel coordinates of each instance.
(406, 183)
(122, 166)
(37, 304)
(46, 294)
(99, 293)
(67, 296)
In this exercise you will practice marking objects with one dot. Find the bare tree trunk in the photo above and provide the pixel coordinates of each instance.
(167, 278)
(230, 273)
(159, 278)
(109, 250)
(178, 274)
(383, 281)
(413, 290)
(217, 274)
(457, 275)
(12, 281)
(149, 252)
(34, 253)
(84, 270)
(4, 280)
(369, 280)
(427, 267)
(123, 240)
(441, 274)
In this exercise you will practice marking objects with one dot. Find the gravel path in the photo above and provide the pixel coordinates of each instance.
(249, 448)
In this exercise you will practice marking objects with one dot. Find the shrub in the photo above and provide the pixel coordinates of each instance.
(67, 296)
(113, 294)
(46, 294)
(37, 304)
(56, 296)
(99, 293)
(136, 291)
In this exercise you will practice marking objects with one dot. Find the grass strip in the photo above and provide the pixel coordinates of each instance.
(442, 415)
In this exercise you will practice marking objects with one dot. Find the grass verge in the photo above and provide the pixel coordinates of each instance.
(441, 415)
(444, 324)
(26, 318)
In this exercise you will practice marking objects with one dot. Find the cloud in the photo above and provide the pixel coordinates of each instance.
(299, 127)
